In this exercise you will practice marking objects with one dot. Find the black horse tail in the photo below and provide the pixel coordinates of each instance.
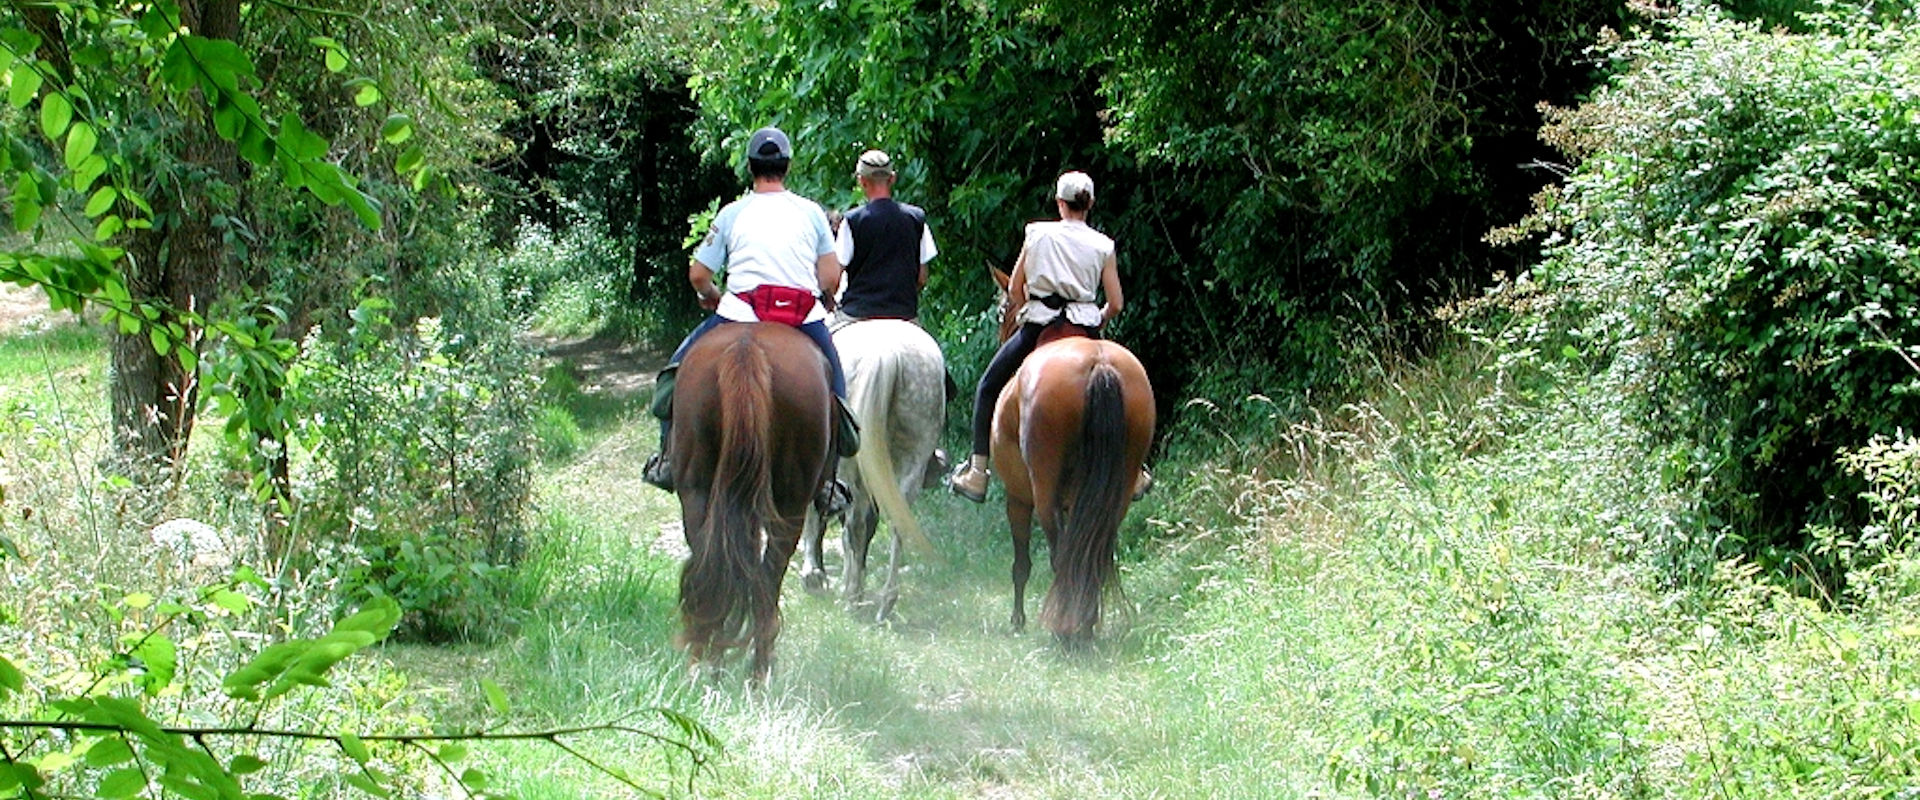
(724, 581)
(1100, 486)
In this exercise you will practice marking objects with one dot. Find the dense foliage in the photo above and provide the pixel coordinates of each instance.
(1291, 184)
(1737, 239)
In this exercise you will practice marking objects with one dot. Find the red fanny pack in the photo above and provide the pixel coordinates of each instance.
(783, 304)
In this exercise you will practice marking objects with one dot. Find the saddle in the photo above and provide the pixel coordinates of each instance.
(1060, 328)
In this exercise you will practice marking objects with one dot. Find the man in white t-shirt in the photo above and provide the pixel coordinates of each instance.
(779, 260)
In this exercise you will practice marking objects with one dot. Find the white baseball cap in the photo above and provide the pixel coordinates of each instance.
(1074, 187)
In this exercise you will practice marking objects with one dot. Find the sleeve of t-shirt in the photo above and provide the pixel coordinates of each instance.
(712, 252)
(927, 250)
(843, 243)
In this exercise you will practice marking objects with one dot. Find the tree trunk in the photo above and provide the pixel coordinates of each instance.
(179, 264)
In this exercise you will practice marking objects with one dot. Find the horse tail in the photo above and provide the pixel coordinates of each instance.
(724, 581)
(1100, 485)
(874, 408)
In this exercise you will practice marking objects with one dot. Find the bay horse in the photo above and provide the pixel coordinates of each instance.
(896, 388)
(751, 437)
(1071, 431)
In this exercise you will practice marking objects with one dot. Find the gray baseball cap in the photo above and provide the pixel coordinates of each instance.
(769, 144)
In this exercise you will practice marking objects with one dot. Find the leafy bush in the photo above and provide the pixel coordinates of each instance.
(566, 282)
(1737, 240)
(421, 447)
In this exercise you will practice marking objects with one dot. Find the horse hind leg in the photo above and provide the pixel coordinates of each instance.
(782, 540)
(1020, 524)
(857, 537)
(813, 573)
(890, 593)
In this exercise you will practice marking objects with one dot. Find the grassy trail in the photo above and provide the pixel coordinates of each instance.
(943, 701)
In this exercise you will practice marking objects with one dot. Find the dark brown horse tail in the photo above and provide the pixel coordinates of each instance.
(729, 575)
(1100, 484)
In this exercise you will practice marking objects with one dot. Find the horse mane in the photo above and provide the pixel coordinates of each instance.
(1100, 486)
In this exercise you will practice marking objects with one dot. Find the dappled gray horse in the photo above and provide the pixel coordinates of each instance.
(896, 388)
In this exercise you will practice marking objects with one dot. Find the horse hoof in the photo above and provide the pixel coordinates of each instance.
(885, 612)
(815, 583)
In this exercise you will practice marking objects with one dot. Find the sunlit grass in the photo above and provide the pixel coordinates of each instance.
(1438, 591)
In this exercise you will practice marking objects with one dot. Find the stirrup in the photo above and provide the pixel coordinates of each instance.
(658, 472)
(833, 498)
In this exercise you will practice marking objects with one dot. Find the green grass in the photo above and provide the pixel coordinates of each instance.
(1453, 588)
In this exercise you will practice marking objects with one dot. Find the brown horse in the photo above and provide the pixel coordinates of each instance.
(752, 430)
(1070, 434)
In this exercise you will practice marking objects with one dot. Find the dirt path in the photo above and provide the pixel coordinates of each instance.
(605, 366)
(21, 307)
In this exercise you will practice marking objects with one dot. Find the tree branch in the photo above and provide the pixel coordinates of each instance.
(551, 737)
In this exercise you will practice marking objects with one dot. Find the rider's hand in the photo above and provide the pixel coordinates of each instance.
(710, 303)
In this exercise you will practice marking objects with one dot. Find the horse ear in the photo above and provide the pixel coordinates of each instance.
(1000, 278)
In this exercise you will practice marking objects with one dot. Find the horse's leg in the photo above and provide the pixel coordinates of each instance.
(1020, 523)
(698, 628)
(813, 573)
(857, 538)
(890, 593)
(783, 537)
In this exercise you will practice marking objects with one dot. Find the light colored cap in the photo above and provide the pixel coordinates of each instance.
(1074, 187)
(873, 164)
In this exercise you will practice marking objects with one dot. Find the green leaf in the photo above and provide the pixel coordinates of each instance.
(102, 200)
(161, 344)
(452, 752)
(55, 114)
(409, 160)
(229, 121)
(398, 128)
(354, 748)
(107, 229)
(137, 600)
(376, 619)
(495, 696)
(26, 203)
(109, 752)
(161, 658)
(244, 764)
(26, 84)
(474, 779)
(366, 784)
(367, 95)
(18, 774)
(303, 144)
(123, 782)
(231, 601)
(80, 142)
(363, 207)
(10, 678)
(336, 60)
(89, 171)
